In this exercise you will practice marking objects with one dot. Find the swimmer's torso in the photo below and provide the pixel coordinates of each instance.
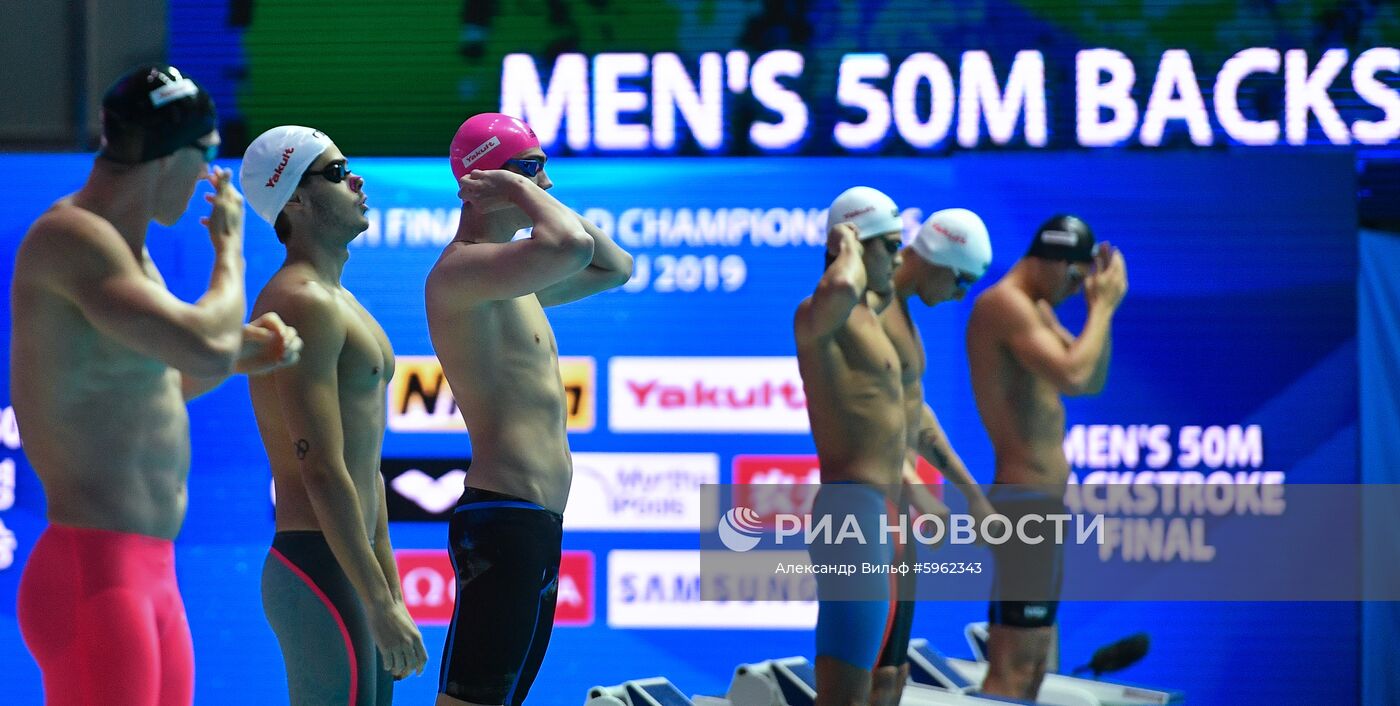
(502, 362)
(904, 336)
(855, 402)
(104, 426)
(1023, 413)
(363, 370)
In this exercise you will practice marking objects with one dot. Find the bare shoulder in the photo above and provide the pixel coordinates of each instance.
(443, 285)
(72, 233)
(1001, 308)
(298, 298)
(68, 244)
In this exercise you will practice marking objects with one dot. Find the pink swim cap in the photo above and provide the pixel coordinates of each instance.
(487, 140)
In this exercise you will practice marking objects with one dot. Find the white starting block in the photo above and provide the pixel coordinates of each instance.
(1055, 689)
(928, 666)
(977, 636)
(792, 682)
(1104, 692)
(655, 691)
(776, 682)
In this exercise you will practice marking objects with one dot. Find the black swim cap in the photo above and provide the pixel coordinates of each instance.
(1065, 238)
(151, 111)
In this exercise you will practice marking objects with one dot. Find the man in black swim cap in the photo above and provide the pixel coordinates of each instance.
(154, 110)
(1022, 361)
(103, 360)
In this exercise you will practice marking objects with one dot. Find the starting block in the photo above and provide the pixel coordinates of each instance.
(930, 667)
(792, 682)
(654, 691)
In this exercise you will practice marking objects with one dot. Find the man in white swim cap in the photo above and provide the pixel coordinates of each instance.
(330, 587)
(850, 375)
(950, 252)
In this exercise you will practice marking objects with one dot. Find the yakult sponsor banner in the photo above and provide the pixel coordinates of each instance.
(430, 587)
(750, 395)
(662, 589)
(639, 491)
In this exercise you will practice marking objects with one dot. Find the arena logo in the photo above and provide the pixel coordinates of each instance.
(172, 90)
(430, 587)
(423, 489)
(639, 491)
(666, 589)
(755, 395)
(420, 400)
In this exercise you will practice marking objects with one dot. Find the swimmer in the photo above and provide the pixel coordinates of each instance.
(103, 359)
(330, 586)
(485, 298)
(1023, 360)
(851, 375)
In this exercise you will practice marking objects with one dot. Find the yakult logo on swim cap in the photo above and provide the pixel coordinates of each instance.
(938, 228)
(277, 173)
(852, 214)
(476, 154)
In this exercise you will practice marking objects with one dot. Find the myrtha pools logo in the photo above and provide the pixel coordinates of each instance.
(740, 529)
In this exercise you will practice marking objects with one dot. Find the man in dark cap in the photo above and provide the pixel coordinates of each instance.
(1022, 361)
(103, 359)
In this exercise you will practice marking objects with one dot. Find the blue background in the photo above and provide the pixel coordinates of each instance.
(1242, 310)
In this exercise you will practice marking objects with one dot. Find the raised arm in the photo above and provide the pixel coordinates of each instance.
(309, 395)
(558, 245)
(87, 261)
(839, 290)
(1080, 367)
(1106, 288)
(611, 267)
(268, 344)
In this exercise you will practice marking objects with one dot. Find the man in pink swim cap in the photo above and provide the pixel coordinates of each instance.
(493, 141)
(485, 299)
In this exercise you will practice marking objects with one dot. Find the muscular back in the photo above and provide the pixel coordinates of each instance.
(1022, 412)
(502, 362)
(855, 400)
(104, 425)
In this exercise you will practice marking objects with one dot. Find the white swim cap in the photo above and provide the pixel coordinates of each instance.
(274, 163)
(873, 213)
(955, 238)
